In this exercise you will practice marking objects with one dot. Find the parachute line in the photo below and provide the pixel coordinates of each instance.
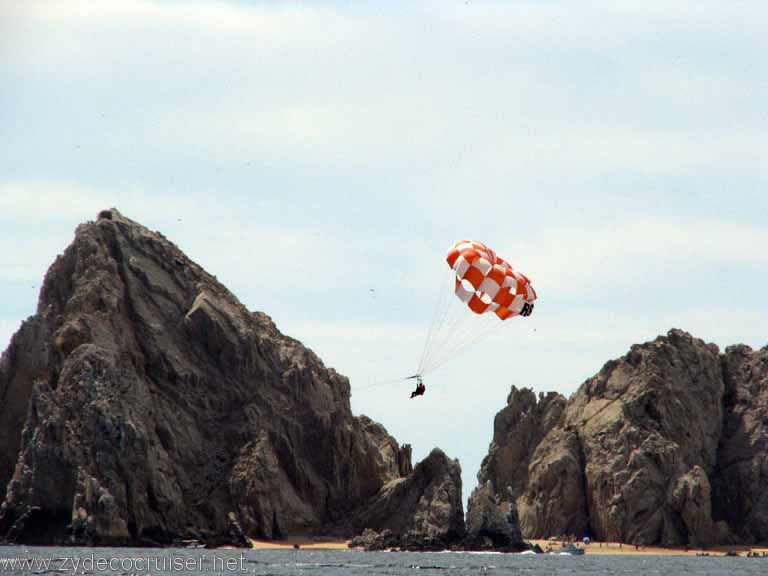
(460, 346)
(379, 383)
(437, 313)
(479, 280)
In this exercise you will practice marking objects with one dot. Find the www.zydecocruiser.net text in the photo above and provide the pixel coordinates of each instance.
(140, 565)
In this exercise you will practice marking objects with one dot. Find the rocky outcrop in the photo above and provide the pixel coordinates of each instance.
(517, 430)
(24, 362)
(491, 523)
(424, 509)
(740, 497)
(372, 541)
(143, 404)
(554, 501)
(666, 445)
(393, 459)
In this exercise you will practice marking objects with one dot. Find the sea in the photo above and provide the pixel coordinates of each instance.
(146, 561)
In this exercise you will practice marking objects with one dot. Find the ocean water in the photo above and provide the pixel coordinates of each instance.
(145, 561)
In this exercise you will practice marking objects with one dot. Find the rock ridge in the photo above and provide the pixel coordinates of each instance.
(667, 445)
(143, 404)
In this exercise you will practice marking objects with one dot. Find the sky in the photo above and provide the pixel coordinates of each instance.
(320, 158)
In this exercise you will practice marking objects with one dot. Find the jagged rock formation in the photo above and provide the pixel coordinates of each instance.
(666, 445)
(507, 462)
(740, 495)
(492, 524)
(372, 541)
(424, 509)
(144, 404)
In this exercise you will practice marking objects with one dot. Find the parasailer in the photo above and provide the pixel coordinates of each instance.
(488, 292)
(420, 388)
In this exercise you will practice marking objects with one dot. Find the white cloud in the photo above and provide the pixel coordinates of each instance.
(591, 24)
(345, 132)
(30, 202)
(565, 260)
(580, 258)
(254, 256)
(262, 20)
(30, 262)
(723, 326)
(602, 329)
(324, 84)
(284, 260)
(40, 217)
(355, 132)
(691, 11)
(607, 148)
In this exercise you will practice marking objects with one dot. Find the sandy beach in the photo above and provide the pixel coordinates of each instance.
(619, 548)
(593, 548)
(303, 543)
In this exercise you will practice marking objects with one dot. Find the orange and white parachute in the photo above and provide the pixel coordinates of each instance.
(488, 291)
(487, 283)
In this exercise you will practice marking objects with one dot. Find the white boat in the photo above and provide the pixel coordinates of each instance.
(570, 549)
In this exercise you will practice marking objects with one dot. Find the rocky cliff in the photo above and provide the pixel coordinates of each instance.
(422, 511)
(492, 524)
(666, 445)
(739, 489)
(144, 404)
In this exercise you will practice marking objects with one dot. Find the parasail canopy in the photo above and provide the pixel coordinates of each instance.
(487, 291)
(487, 283)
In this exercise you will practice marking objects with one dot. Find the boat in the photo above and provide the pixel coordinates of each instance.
(574, 550)
(569, 548)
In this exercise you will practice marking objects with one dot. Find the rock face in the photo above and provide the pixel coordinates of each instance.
(666, 445)
(144, 404)
(517, 430)
(492, 524)
(740, 495)
(425, 508)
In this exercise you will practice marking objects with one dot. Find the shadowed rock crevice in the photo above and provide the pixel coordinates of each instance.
(740, 499)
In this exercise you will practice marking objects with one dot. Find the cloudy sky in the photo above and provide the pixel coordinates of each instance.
(320, 157)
